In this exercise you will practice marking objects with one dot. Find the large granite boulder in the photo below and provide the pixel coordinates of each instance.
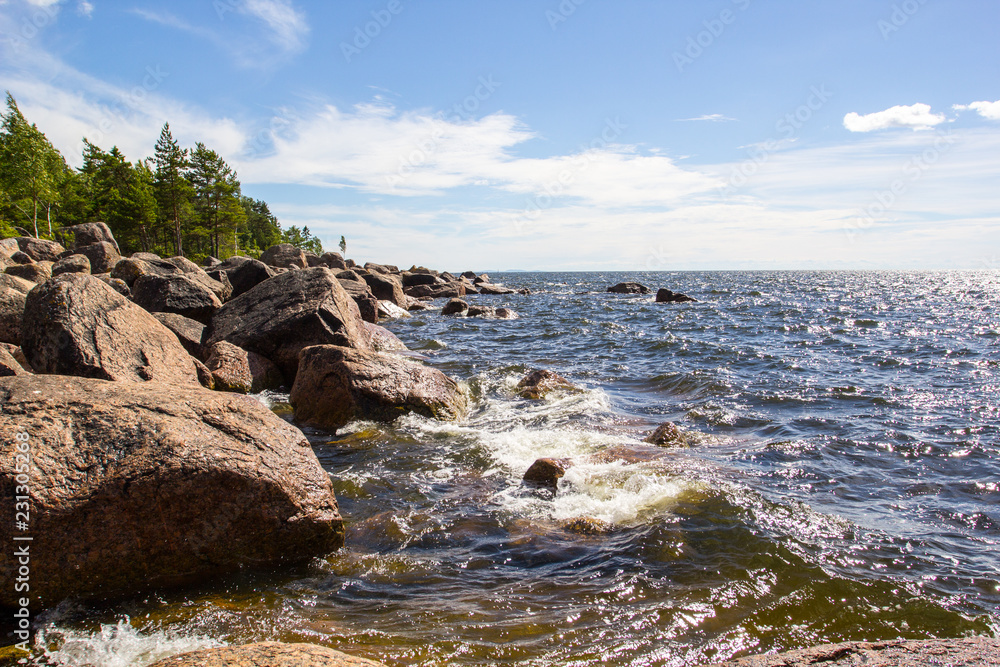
(140, 486)
(221, 288)
(75, 324)
(336, 385)
(285, 256)
(413, 279)
(439, 291)
(455, 307)
(667, 296)
(362, 295)
(629, 288)
(103, 256)
(230, 367)
(244, 273)
(537, 384)
(381, 339)
(13, 295)
(386, 287)
(9, 365)
(964, 652)
(40, 250)
(90, 233)
(280, 316)
(189, 332)
(489, 288)
(265, 373)
(75, 263)
(175, 294)
(267, 654)
(333, 260)
(36, 272)
(130, 269)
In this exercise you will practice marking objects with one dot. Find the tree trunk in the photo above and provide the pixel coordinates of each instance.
(34, 213)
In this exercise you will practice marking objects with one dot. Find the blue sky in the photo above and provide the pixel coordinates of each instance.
(581, 134)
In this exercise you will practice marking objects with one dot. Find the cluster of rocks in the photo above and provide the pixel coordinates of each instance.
(662, 296)
(141, 476)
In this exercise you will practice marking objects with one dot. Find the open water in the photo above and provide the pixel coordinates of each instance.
(842, 483)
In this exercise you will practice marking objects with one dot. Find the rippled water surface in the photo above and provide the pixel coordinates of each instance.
(841, 483)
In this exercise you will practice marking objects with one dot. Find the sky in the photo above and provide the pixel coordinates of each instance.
(555, 134)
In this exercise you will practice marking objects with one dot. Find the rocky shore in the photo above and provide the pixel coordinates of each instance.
(126, 420)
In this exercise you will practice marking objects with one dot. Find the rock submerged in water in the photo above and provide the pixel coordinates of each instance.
(966, 652)
(267, 654)
(667, 434)
(336, 385)
(666, 296)
(455, 306)
(629, 288)
(546, 473)
(537, 384)
(142, 486)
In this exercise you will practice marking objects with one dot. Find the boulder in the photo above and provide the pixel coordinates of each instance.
(506, 314)
(205, 377)
(13, 295)
(103, 256)
(21, 258)
(666, 296)
(629, 288)
(75, 324)
(71, 264)
(386, 269)
(9, 365)
(264, 373)
(414, 279)
(8, 247)
(40, 250)
(146, 256)
(130, 269)
(116, 284)
(285, 255)
(389, 310)
(423, 269)
(386, 287)
(336, 385)
(90, 233)
(350, 263)
(267, 654)
(351, 275)
(964, 652)
(210, 262)
(189, 332)
(220, 276)
(230, 366)
(15, 351)
(489, 288)
(175, 294)
(537, 384)
(142, 486)
(362, 295)
(192, 271)
(381, 339)
(444, 291)
(666, 434)
(546, 473)
(448, 278)
(455, 307)
(333, 260)
(291, 311)
(415, 304)
(244, 274)
(38, 272)
(481, 311)
(312, 259)
(469, 287)
(484, 278)
(471, 275)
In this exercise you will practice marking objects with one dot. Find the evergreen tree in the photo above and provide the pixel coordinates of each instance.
(261, 230)
(216, 196)
(302, 238)
(173, 192)
(30, 170)
(120, 194)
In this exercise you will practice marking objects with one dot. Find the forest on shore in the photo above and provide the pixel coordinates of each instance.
(180, 201)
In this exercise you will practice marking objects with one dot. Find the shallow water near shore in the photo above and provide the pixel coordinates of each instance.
(842, 483)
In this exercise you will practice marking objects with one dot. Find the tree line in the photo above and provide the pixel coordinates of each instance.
(181, 201)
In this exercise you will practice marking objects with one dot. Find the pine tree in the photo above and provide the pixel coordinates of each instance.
(172, 189)
(216, 194)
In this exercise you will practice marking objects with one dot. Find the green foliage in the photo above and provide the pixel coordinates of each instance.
(216, 197)
(302, 238)
(120, 194)
(343, 245)
(173, 192)
(261, 230)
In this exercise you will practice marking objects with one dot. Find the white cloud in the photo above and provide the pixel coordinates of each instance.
(287, 24)
(988, 110)
(713, 117)
(915, 116)
(84, 8)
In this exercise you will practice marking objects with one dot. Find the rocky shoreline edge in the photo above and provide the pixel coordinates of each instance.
(141, 461)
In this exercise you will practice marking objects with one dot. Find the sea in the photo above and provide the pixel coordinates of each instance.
(839, 480)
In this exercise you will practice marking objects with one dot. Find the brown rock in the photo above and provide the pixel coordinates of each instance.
(629, 288)
(444, 291)
(414, 279)
(37, 273)
(175, 294)
(285, 255)
(223, 289)
(966, 652)
(21, 258)
(15, 351)
(487, 288)
(666, 434)
(130, 269)
(74, 324)
(40, 250)
(116, 284)
(481, 311)
(230, 367)
(140, 486)
(455, 307)
(389, 310)
(71, 264)
(205, 377)
(386, 287)
(244, 274)
(280, 316)
(89, 233)
(381, 339)
(265, 374)
(666, 296)
(267, 654)
(537, 384)
(546, 473)
(103, 256)
(9, 365)
(13, 295)
(362, 295)
(333, 260)
(189, 332)
(587, 526)
(506, 314)
(336, 385)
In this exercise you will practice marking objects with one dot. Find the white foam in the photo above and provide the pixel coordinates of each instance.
(118, 645)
